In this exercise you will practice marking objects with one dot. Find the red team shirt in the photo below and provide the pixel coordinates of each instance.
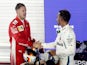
(20, 31)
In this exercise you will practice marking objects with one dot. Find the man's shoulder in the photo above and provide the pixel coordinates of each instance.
(14, 22)
(26, 21)
(69, 31)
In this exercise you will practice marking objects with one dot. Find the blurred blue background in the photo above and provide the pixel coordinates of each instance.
(78, 10)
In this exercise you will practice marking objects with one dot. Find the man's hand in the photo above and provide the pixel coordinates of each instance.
(33, 40)
(37, 45)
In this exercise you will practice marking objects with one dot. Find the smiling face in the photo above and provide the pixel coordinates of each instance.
(21, 12)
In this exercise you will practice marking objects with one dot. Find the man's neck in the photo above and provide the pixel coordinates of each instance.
(64, 24)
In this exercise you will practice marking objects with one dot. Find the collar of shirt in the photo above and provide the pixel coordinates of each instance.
(23, 22)
(65, 27)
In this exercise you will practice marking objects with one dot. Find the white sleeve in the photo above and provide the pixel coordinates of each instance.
(50, 45)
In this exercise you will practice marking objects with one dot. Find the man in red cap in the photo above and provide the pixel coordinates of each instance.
(19, 34)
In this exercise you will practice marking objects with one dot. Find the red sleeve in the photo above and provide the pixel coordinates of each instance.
(29, 32)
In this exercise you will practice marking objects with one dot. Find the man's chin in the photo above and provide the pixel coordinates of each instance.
(23, 18)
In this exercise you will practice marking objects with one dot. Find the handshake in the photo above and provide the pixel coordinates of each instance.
(37, 44)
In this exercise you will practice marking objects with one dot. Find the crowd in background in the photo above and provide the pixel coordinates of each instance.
(81, 50)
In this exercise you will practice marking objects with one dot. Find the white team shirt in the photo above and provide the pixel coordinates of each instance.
(65, 42)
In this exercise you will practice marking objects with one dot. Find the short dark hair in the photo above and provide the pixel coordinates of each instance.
(65, 14)
(19, 5)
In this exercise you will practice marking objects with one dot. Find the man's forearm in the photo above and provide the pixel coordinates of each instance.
(49, 45)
